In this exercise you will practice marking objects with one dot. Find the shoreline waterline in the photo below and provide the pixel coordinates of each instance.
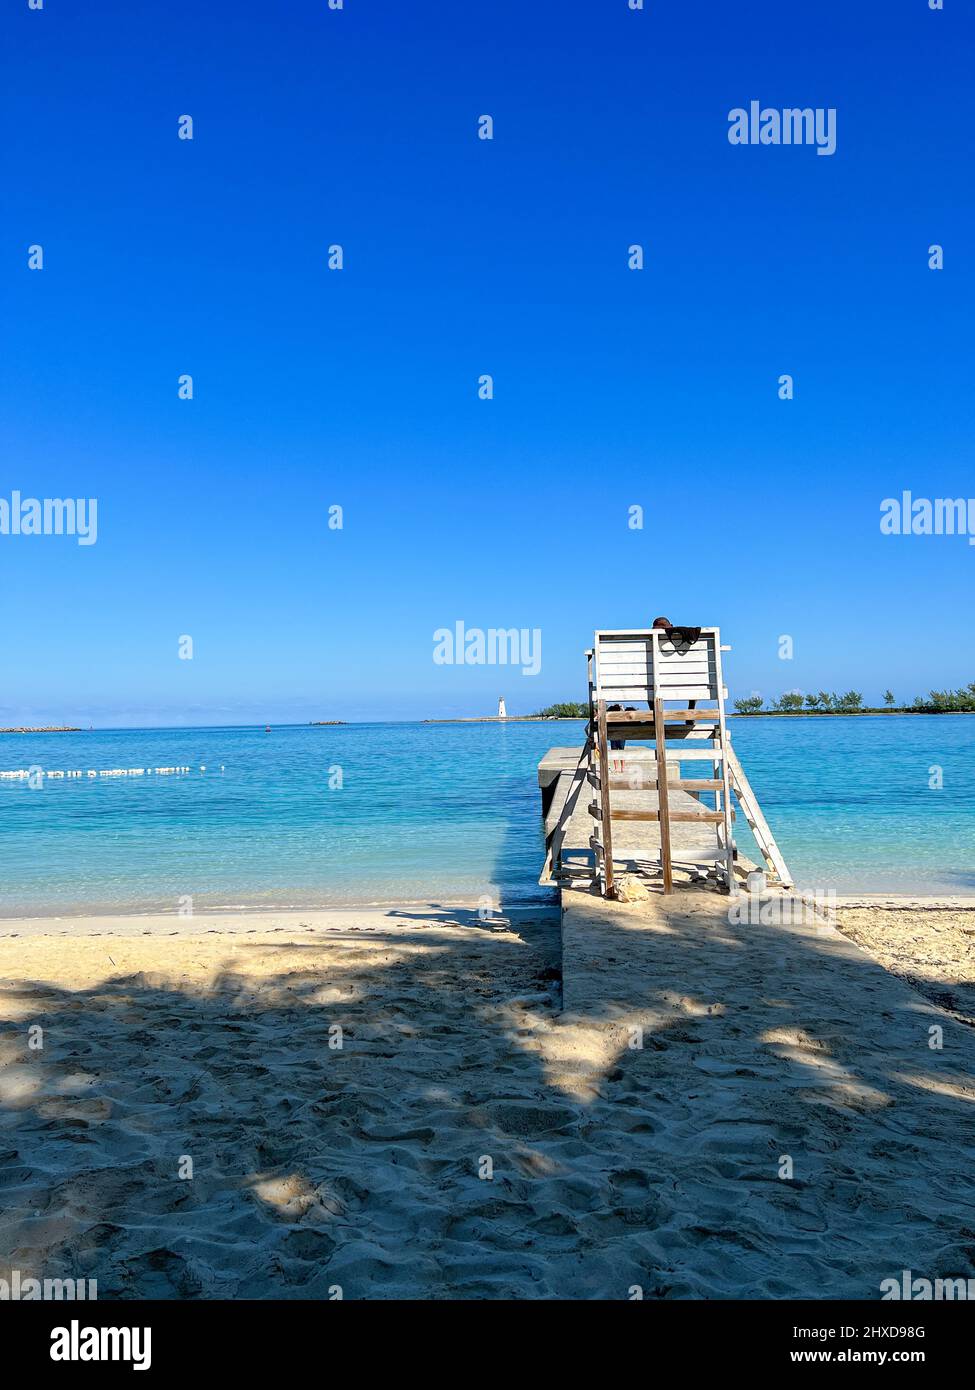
(212, 920)
(507, 911)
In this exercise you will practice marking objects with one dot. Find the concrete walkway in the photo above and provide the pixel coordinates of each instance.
(801, 1136)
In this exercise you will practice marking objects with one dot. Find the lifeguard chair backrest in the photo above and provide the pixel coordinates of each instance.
(634, 666)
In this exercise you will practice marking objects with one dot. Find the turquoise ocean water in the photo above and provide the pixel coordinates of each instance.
(442, 812)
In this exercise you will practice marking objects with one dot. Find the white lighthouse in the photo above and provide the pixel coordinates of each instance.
(502, 711)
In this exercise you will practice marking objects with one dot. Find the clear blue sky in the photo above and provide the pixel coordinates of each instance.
(464, 257)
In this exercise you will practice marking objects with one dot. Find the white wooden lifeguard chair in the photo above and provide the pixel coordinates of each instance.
(675, 673)
(657, 667)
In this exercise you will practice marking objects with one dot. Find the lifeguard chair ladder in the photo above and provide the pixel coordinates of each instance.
(658, 667)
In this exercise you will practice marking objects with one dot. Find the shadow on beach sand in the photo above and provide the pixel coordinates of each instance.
(363, 1167)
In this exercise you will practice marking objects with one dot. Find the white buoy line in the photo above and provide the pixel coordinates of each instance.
(25, 772)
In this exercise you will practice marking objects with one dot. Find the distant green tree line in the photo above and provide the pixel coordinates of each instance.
(963, 699)
(828, 702)
(822, 702)
(569, 709)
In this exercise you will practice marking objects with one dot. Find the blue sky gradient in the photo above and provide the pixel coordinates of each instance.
(463, 257)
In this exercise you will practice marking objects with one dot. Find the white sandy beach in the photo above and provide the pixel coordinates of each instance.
(363, 1167)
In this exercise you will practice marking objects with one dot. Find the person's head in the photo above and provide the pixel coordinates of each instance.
(662, 622)
(612, 707)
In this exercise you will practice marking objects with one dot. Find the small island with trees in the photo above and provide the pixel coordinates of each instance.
(851, 702)
(568, 709)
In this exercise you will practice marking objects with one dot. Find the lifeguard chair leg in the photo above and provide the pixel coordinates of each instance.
(602, 748)
(663, 794)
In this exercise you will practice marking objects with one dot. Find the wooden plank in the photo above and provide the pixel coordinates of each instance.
(630, 659)
(557, 836)
(605, 647)
(756, 820)
(690, 658)
(602, 746)
(694, 668)
(683, 675)
(624, 651)
(625, 675)
(704, 646)
(636, 755)
(723, 798)
(674, 719)
(645, 780)
(651, 632)
(698, 650)
(628, 683)
(616, 656)
(692, 755)
(699, 733)
(637, 716)
(669, 650)
(663, 799)
(630, 674)
(628, 693)
(692, 661)
(621, 652)
(668, 688)
(686, 817)
(674, 690)
(672, 732)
